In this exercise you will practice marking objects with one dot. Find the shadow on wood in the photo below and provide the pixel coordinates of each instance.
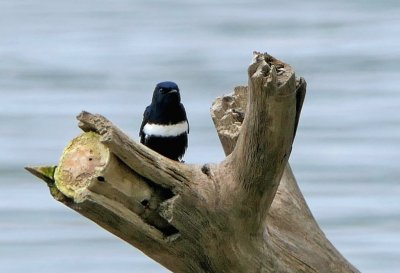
(245, 214)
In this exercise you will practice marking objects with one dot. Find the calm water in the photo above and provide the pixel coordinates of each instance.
(60, 57)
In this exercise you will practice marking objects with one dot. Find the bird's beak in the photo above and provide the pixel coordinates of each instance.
(173, 91)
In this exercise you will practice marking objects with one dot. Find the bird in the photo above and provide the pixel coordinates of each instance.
(165, 127)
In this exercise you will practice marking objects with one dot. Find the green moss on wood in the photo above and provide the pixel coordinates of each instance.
(46, 173)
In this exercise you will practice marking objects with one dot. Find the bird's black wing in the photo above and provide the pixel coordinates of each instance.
(145, 119)
(184, 113)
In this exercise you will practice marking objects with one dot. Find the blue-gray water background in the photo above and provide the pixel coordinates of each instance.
(60, 57)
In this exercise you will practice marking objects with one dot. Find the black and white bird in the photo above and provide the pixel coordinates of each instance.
(165, 127)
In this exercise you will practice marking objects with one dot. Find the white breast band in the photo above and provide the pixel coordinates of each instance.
(169, 130)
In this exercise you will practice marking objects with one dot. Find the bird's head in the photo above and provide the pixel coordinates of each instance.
(166, 92)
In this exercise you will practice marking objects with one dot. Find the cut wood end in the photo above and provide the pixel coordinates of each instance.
(81, 160)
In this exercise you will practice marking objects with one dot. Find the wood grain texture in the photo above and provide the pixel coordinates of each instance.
(244, 214)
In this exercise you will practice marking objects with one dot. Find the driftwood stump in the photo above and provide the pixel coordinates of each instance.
(245, 214)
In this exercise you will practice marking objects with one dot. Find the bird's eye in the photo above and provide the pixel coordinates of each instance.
(161, 90)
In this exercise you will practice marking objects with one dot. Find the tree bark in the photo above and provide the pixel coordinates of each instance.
(245, 214)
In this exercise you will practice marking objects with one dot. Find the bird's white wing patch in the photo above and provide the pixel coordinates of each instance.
(169, 130)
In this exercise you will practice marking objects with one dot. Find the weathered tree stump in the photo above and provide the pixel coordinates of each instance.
(245, 214)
